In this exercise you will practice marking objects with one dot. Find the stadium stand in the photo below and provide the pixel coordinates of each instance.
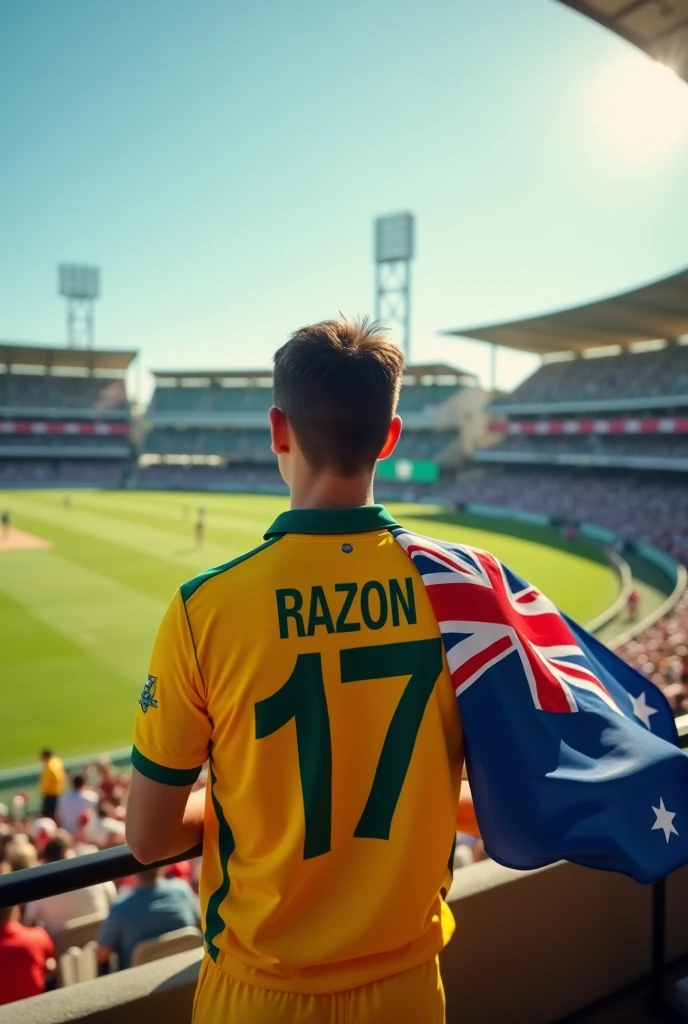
(208, 428)
(64, 416)
(651, 452)
(27, 841)
(662, 373)
(635, 506)
(612, 395)
(40, 393)
(599, 434)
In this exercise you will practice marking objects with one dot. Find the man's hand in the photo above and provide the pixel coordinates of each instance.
(162, 821)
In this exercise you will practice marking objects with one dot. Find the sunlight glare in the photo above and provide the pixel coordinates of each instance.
(641, 108)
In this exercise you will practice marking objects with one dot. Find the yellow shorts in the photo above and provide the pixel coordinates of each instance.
(412, 997)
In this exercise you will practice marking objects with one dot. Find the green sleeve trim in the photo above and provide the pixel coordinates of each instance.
(159, 773)
(193, 644)
(189, 588)
(214, 922)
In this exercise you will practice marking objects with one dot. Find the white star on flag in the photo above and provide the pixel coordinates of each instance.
(642, 710)
(664, 820)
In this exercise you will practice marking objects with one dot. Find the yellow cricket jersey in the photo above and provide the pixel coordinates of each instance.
(53, 777)
(310, 673)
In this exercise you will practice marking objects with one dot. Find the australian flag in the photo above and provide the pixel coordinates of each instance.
(571, 753)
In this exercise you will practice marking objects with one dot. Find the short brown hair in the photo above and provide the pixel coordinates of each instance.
(58, 847)
(338, 383)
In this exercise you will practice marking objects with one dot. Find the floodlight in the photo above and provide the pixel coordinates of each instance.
(79, 281)
(394, 237)
(393, 254)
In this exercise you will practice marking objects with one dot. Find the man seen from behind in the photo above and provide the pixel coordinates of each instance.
(310, 674)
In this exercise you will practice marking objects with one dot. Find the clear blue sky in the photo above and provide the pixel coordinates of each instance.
(222, 160)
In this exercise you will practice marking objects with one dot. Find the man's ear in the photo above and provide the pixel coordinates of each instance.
(279, 433)
(392, 438)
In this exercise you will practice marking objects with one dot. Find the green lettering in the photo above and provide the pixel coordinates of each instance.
(408, 604)
(286, 612)
(371, 623)
(319, 613)
(351, 590)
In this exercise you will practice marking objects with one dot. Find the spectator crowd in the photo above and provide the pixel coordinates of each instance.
(634, 507)
(627, 375)
(660, 652)
(641, 506)
(81, 815)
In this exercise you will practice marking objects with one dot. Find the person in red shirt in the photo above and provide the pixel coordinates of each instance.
(26, 956)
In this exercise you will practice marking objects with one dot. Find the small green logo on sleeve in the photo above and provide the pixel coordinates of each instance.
(147, 698)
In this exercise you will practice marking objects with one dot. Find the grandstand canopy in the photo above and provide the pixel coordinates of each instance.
(420, 370)
(417, 371)
(16, 354)
(660, 27)
(657, 310)
(213, 374)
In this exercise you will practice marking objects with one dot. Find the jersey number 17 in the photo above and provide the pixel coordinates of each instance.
(303, 698)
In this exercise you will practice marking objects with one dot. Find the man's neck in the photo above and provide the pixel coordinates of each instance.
(329, 491)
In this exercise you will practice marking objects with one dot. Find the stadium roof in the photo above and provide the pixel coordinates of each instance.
(415, 370)
(14, 353)
(657, 310)
(660, 27)
(252, 374)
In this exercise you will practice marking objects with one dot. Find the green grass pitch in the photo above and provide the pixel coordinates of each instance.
(77, 621)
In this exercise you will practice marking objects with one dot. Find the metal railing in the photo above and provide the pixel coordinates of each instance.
(77, 873)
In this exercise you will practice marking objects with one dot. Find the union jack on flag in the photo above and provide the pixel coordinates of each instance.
(571, 753)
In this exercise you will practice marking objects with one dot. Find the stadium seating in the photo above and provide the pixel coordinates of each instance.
(426, 444)
(199, 477)
(79, 931)
(33, 392)
(38, 472)
(218, 420)
(78, 964)
(68, 422)
(217, 399)
(628, 375)
(72, 441)
(254, 445)
(419, 397)
(639, 505)
(665, 445)
(230, 443)
(211, 399)
(177, 941)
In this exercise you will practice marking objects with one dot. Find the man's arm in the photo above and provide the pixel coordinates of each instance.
(162, 821)
(171, 743)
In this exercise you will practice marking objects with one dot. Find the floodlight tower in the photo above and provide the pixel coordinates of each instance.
(393, 253)
(80, 286)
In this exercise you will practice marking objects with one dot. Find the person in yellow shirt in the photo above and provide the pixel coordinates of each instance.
(310, 674)
(52, 782)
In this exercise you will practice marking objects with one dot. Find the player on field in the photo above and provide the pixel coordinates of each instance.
(5, 523)
(310, 674)
(199, 527)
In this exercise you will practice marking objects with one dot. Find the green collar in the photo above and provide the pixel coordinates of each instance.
(364, 519)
